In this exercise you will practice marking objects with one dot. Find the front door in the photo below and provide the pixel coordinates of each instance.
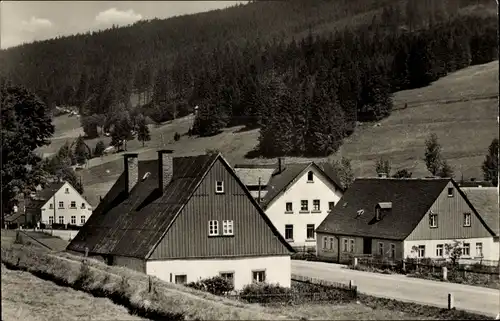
(367, 245)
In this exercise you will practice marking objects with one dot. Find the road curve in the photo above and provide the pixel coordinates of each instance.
(475, 299)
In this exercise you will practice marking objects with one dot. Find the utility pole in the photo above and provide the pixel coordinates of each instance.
(258, 196)
(54, 206)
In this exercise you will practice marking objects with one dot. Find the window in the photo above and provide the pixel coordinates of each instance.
(228, 276)
(61, 219)
(51, 220)
(289, 207)
(346, 245)
(466, 249)
(310, 231)
(316, 205)
(352, 245)
(479, 249)
(466, 219)
(289, 232)
(325, 242)
(66, 190)
(450, 191)
(73, 219)
(83, 205)
(82, 219)
(61, 204)
(51, 206)
(227, 227)
(304, 205)
(393, 251)
(73, 204)
(310, 177)
(433, 220)
(181, 279)
(213, 228)
(219, 187)
(439, 250)
(331, 242)
(421, 251)
(331, 205)
(380, 248)
(259, 276)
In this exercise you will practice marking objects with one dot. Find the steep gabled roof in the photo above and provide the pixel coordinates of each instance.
(485, 201)
(279, 181)
(133, 226)
(411, 199)
(45, 194)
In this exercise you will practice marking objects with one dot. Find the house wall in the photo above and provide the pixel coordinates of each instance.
(490, 247)
(67, 212)
(131, 263)
(344, 257)
(188, 237)
(299, 190)
(278, 269)
(399, 249)
(450, 211)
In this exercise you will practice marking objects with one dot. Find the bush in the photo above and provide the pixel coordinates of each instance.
(265, 293)
(99, 149)
(216, 285)
(177, 136)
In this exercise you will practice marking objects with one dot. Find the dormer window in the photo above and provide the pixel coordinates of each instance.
(377, 213)
(310, 177)
(450, 192)
(219, 187)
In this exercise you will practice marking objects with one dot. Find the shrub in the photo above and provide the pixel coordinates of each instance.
(177, 136)
(84, 276)
(216, 285)
(265, 293)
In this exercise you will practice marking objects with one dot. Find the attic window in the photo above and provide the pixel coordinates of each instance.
(146, 176)
(66, 191)
(310, 177)
(450, 192)
(219, 187)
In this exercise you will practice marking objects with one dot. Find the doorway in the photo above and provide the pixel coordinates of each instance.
(367, 245)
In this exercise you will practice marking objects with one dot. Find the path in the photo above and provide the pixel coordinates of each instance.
(466, 297)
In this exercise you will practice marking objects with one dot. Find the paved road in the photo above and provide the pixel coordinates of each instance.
(466, 297)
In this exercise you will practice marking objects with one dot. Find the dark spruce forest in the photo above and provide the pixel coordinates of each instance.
(304, 72)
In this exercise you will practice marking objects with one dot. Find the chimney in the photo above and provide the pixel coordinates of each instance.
(165, 168)
(280, 165)
(131, 168)
(382, 175)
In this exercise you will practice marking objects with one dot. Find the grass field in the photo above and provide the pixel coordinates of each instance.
(460, 108)
(26, 297)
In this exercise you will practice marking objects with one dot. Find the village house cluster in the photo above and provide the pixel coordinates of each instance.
(186, 218)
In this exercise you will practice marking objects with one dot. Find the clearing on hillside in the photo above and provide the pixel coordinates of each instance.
(460, 108)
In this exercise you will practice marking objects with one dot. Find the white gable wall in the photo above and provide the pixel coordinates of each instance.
(277, 269)
(301, 189)
(66, 212)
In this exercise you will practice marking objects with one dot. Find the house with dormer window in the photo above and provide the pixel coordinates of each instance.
(185, 218)
(394, 219)
(296, 197)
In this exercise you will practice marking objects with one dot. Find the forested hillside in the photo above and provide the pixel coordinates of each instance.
(303, 71)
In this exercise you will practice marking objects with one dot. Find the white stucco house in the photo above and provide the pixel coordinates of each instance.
(182, 219)
(59, 203)
(296, 197)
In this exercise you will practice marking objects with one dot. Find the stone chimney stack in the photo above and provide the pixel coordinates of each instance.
(165, 168)
(131, 168)
(280, 165)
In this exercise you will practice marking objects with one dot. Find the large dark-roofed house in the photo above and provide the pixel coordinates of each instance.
(182, 219)
(295, 196)
(396, 218)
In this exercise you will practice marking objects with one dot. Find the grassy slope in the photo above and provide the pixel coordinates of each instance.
(26, 297)
(460, 108)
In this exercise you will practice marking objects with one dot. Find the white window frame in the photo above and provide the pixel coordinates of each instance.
(51, 206)
(331, 208)
(466, 246)
(304, 204)
(332, 240)
(219, 187)
(66, 191)
(452, 192)
(325, 242)
(228, 276)
(352, 246)
(258, 276)
(83, 206)
(83, 219)
(71, 205)
(421, 251)
(392, 254)
(467, 219)
(307, 232)
(433, 220)
(287, 238)
(61, 204)
(286, 207)
(380, 248)
(73, 219)
(228, 227)
(51, 219)
(61, 219)
(213, 228)
(180, 275)
(346, 245)
(318, 207)
(440, 250)
(479, 249)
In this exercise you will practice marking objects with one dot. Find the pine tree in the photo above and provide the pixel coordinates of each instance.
(490, 164)
(383, 166)
(143, 134)
(445, 170)
(81, 151)
(433, 158)
(122, 131)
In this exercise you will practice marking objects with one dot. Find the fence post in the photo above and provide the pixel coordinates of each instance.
(355, 261)
(86, 251)
(445, 273)
(351, 284)
(450, 301)
(150, 284)
(404, 266)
